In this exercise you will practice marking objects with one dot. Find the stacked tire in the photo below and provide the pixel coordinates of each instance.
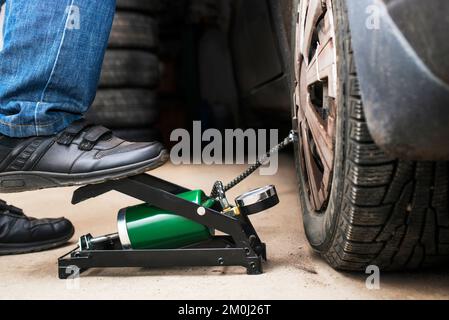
(126, 97)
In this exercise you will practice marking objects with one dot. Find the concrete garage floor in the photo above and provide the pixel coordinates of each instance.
(293, 270)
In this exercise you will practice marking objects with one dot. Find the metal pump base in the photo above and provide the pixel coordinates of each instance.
(242, 246)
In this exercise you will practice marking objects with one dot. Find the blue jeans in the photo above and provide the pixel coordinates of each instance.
(50, 63)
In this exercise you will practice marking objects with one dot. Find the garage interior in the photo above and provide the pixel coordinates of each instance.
(191, 69)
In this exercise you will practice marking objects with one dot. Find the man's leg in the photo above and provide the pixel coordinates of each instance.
(2, 13)
(39, 96)
(50, 63)
(49, 69)
(50, 66)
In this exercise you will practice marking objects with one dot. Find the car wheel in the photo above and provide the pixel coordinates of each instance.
(360, 206)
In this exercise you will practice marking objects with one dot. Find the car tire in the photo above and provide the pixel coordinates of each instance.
(147, 6)
(133, 30)
(130, 68)
(124, 108)
(378, 210)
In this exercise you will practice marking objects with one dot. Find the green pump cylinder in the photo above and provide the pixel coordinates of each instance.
(148, 227)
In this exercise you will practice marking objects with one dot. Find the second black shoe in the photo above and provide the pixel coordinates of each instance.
(22, 234)
(81, 154)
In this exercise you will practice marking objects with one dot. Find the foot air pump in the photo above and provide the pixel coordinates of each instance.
(176, 226)
(149, 227)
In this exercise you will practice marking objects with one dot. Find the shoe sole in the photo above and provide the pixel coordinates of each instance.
(22, 248)
(20, 181)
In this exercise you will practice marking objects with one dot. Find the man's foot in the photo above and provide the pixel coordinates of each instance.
(21, 234)
(81, 154)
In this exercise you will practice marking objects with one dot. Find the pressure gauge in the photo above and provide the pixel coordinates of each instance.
(257, 200)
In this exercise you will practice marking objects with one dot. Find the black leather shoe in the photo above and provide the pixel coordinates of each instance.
(82, 154)
(21, 234)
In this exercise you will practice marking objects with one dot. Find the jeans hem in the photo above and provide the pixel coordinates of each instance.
(32, 130)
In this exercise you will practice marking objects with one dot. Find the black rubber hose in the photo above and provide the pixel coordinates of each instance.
(261, 161)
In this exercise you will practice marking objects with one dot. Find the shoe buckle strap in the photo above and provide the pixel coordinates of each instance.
(66, 138)
(70, 133)
(92, 137)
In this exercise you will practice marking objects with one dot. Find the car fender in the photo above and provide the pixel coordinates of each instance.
(406, 104)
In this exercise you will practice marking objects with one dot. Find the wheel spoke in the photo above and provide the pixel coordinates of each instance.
(313, 173)
(326, 32)
(312, 13)
(322, 67)
(323, 64)
(323, 141)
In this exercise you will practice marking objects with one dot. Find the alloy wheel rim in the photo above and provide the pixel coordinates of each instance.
(316, 97)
